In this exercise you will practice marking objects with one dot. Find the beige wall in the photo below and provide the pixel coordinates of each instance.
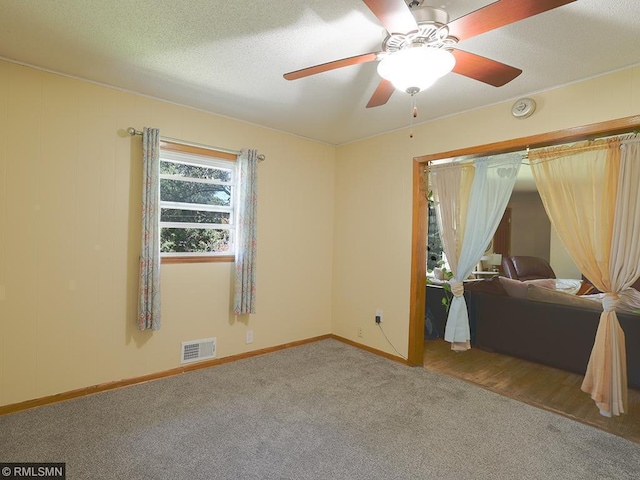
(530, 225)
(372, 231)
(561, 262)
(532, 234)
(334, 228)
(70, 190)
(373, 195)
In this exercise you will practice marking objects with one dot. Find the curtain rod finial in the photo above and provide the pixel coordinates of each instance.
(132, 131)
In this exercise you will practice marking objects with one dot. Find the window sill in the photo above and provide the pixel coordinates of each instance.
(198, 259)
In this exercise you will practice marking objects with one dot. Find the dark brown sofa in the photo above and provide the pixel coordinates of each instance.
(524, 267)
(556, 335)
(551, 334)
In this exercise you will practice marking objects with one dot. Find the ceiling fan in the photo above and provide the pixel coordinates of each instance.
(420, 46)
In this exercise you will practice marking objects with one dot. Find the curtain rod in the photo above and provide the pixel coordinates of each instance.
(621, 136)
(132, 131)
(525, 151)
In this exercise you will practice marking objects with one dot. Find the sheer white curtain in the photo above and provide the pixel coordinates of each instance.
(590, 192)
(468, 215)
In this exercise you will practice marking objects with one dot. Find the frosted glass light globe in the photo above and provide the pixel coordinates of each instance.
(416, 67)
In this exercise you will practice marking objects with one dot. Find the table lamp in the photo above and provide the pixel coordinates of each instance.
(495, 260)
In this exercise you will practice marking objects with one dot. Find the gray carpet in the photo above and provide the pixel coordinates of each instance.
(324, 410)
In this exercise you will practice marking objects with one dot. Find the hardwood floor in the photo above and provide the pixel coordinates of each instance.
(538, 385)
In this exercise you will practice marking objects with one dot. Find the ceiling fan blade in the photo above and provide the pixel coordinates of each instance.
(499, 14)
(382, 94)
(483, 69)
(325, 67)
(394, 15)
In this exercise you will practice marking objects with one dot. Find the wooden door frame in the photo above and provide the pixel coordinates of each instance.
(419, 207)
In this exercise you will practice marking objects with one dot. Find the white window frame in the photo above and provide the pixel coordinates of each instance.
(201, 161)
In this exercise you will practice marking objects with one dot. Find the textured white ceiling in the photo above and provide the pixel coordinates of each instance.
(228, 57)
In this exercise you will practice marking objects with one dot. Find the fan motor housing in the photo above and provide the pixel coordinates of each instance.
(433, 31)
(429, 15)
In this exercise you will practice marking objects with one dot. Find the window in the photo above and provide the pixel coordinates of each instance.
(197, 198)
(434, 243)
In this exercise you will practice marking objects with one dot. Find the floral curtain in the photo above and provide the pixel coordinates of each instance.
(470, 199)
(590, 192)
(244, 301)
(149, 281)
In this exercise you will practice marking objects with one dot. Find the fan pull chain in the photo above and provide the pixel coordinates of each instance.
(414, 110)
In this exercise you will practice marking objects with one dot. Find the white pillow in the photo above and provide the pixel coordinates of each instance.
(568, 285)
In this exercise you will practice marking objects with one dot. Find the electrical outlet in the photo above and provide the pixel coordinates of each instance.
(378, 316)
(360, 332)
(249, 337)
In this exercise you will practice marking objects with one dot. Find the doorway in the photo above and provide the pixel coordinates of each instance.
(420, 204)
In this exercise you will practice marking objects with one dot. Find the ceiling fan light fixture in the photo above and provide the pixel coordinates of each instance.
(416, 68)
